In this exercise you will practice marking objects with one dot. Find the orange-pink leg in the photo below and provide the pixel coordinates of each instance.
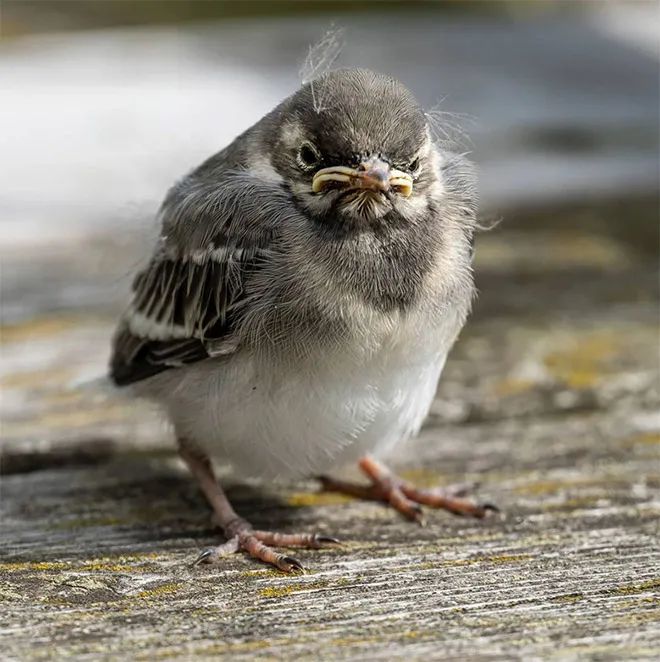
(240, 534)
(403, 496)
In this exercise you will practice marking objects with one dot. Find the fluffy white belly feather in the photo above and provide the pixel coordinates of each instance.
(270, 422)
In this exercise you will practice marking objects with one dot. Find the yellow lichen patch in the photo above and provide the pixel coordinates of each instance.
(511, 387)
(348, 546)
(134, 558)
(280, 591)
(39, 566)
(508, 558)
(634, 603)
(410, 634)
(424, 477)
(132, 563)
(541, 487)
(159, 591)
(569, 598)
(459, 562)
(112, 564)
(579, 248)
(288, 589)
(637, 617)
(307, 499)
(393, 635)
(632, 589)
(99, 566)
(650, 438)
(544, 487)
(580, 366)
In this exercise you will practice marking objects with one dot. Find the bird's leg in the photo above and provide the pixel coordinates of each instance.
(403, 496)
(239, 533)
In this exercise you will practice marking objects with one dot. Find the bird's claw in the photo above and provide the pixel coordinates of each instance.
(289, 564)
(204, 557)
(326, 540)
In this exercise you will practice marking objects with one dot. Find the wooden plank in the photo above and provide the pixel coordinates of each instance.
(550, 400)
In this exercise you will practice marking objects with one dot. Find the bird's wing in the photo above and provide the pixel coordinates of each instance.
(182, 311)
(185, 302)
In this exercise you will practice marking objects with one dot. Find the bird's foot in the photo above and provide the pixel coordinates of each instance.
(406, 498)
(260, 544)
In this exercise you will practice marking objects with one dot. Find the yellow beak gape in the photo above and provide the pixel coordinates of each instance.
(370, 178)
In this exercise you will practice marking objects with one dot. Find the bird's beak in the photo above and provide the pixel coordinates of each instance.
(371, 175)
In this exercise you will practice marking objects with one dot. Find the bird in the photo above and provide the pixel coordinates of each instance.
(305, 289)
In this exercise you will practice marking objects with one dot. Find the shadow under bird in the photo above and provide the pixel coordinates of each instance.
(307, 285)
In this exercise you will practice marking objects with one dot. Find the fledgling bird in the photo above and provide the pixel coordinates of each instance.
(308, 283)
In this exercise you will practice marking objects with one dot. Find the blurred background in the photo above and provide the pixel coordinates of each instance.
(105, 104)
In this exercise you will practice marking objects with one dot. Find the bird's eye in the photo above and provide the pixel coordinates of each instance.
(413, 168)
(308, 156)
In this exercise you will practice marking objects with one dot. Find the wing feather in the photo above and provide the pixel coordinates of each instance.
(182, 311)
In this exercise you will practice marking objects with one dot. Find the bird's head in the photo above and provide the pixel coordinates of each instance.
(354, 147)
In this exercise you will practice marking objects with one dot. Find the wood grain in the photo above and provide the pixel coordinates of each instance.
(550, 401)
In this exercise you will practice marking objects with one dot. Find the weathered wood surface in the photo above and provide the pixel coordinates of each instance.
(550, 401)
